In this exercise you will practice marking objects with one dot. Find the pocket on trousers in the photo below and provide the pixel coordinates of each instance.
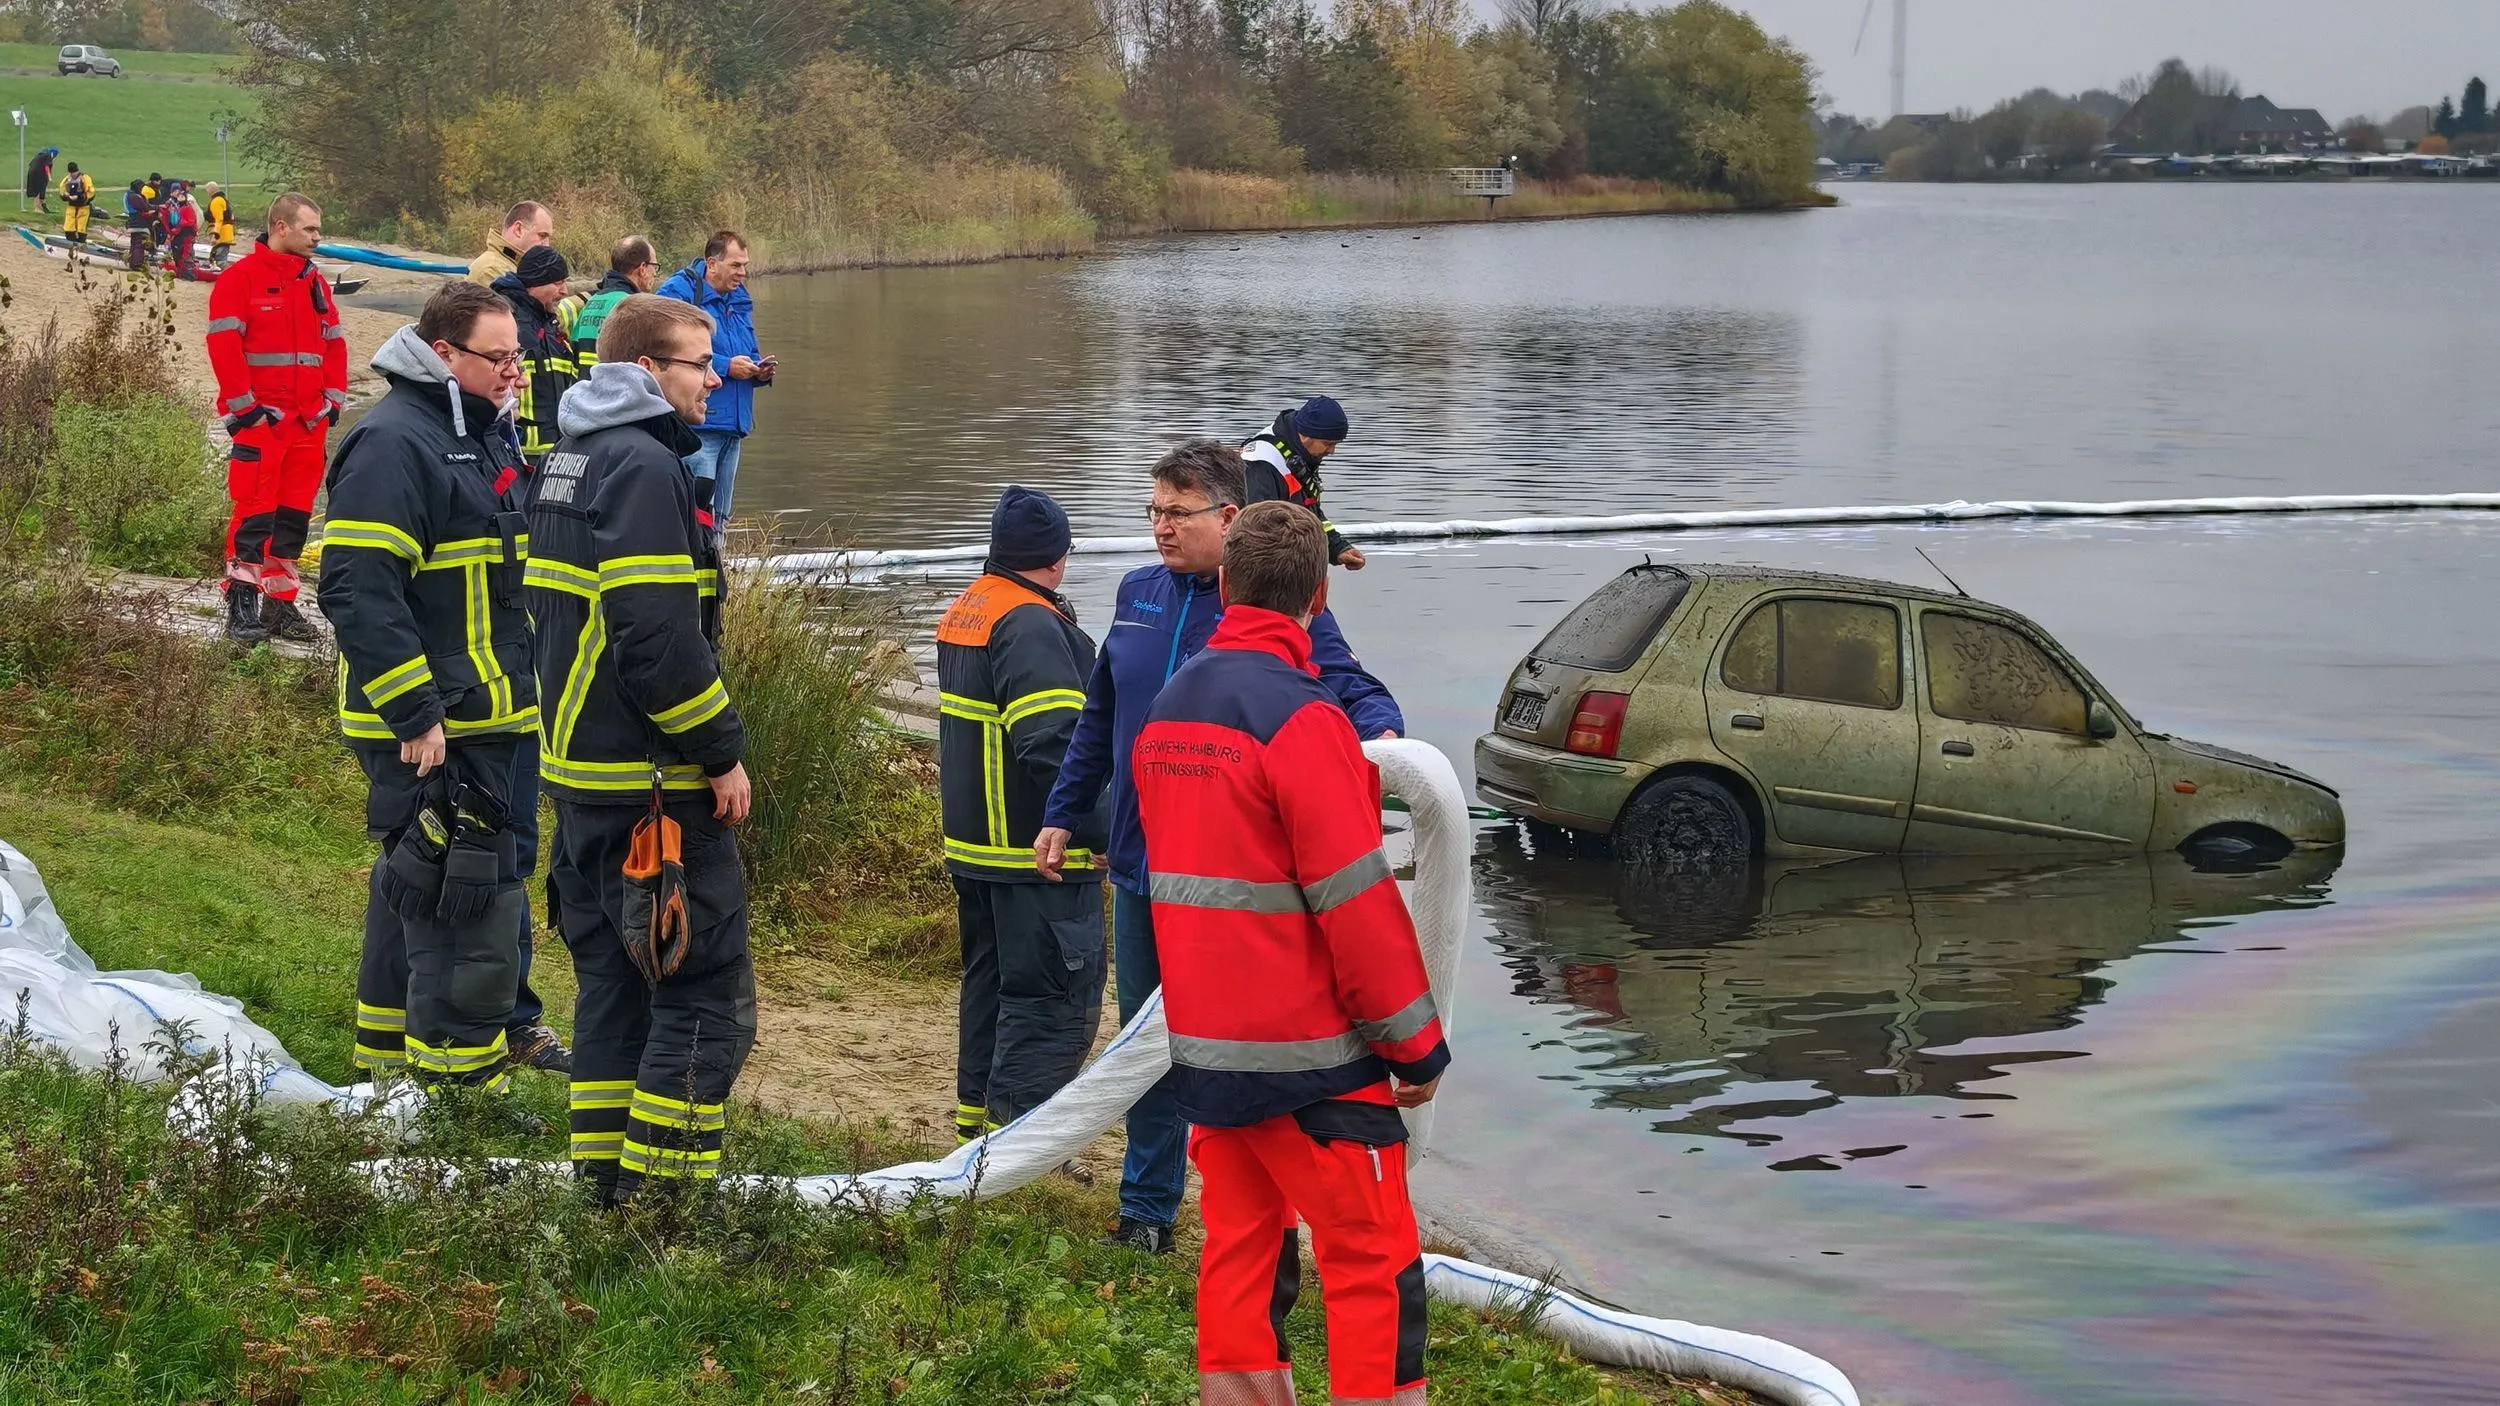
(241, 453)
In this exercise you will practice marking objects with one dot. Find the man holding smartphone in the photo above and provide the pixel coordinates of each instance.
(717, 283)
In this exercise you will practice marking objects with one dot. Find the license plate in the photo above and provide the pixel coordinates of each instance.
(1527, 710)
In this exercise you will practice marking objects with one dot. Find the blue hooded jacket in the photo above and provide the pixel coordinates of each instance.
(733, 405)
(1160, 622)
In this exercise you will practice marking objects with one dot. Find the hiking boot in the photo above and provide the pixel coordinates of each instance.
(243, 614)
(280, 619)
(1141, 1236)
(538, 1047)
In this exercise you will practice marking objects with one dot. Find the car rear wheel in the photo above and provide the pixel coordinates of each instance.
(1685, 822)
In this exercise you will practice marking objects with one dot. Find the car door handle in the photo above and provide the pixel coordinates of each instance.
(1749, 722)
(1960, 749)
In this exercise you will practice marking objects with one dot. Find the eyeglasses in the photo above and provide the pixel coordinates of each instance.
(501, 361)
(704, 364)
(1177, 516)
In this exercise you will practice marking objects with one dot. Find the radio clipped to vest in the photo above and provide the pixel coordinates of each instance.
(656, 930)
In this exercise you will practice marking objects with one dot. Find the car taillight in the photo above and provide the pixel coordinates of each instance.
(1597, 724)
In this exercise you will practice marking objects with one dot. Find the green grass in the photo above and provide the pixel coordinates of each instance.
(162, 118)
(254, 1263)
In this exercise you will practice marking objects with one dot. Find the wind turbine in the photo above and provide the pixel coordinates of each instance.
(1900, 48)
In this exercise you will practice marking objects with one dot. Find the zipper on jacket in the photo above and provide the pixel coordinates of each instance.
(1172, 661)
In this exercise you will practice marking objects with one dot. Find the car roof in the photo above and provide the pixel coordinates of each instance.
(1772, 578)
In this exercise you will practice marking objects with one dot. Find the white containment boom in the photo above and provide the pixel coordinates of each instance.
(72, 1004)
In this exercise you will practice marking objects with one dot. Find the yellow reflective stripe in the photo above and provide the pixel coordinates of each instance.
(955, 705)
(677, 570)
(519, 720)
(380, 1018)
(603, 1093)
(379, 535)
(617, 776)
(1008, 856)
(598, 1147)
(391, 683)
(592, 643)
(480, 628)
(367, 1057)
(455, 1059)
(707, 582)
(695, 711)
(562, 576)
(1047, 700)
(994, 780)
(368, 726)
(673, 1113)
(670, 1161)
(471, 549)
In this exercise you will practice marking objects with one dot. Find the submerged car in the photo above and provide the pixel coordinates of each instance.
(1715, 713)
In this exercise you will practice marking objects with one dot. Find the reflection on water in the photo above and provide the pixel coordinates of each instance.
(1717, 1000)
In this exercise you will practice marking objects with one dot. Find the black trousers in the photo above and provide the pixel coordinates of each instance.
(432, 996)
(652, 1065)
(1034, 957)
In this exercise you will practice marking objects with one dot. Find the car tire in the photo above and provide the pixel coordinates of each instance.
(2234, 847)
(1685, 822)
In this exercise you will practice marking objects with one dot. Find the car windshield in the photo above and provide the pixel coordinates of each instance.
(1612, 628)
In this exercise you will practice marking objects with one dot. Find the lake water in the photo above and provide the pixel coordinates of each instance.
(2106, 1132)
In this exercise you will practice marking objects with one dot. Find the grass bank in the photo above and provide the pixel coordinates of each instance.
(164, 117)
(1218, 201)
(252, 1262)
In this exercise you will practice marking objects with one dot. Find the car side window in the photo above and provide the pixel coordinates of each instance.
(1832, 651)
(1983, 672)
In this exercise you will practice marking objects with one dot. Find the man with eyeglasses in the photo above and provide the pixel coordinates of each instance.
(625, 589)
(1165, 615)
(421, 575)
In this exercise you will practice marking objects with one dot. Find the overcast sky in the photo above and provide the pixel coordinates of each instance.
(2339, 56)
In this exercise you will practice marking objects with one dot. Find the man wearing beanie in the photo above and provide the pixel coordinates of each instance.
(1012, 666)
(1283, 461)
(548, 366)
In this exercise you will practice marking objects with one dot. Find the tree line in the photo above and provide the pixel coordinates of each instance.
(680, 113)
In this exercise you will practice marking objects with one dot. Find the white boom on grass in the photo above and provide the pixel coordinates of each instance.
(75, 1007)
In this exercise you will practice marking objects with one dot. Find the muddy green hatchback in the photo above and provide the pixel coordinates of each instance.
(1716, 713)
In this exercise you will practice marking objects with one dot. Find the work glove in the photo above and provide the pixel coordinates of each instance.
(253, 418)
(656, 929)
(472, 873)
(412, 874)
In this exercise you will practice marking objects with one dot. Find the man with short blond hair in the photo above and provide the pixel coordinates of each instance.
(280, 357)
(1301, 1016)
(624, 587)
(525, 226)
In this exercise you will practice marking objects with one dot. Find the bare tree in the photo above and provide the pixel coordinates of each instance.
(1535, 15)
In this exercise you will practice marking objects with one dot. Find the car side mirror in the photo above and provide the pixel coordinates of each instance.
(2099, 721)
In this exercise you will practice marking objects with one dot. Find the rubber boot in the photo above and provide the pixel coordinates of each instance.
(243, 614)
(282, 620)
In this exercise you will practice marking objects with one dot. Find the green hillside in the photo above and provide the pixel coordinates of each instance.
(163, 117)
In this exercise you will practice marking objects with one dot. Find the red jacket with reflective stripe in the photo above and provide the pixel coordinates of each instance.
(1291, 972)
(274, 338)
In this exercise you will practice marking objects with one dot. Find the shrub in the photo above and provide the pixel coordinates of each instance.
(845, 831)
(133, 478)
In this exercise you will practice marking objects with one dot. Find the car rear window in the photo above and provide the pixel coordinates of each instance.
(1612, 628)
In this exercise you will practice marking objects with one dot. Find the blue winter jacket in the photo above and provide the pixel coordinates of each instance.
(1160, 622)
(733, 312)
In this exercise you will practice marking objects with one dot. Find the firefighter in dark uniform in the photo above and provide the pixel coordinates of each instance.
(1012, 666)
(421, 576)
(1283, 461)
(625, 591)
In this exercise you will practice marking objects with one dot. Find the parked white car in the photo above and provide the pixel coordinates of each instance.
(87, 58)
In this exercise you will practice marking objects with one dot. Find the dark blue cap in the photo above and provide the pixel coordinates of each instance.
(1027, 530)
(1320, 418)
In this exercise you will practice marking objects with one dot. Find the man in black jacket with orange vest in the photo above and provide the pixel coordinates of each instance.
(1012, 666)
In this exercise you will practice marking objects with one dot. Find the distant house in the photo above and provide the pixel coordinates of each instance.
(2229, 124)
